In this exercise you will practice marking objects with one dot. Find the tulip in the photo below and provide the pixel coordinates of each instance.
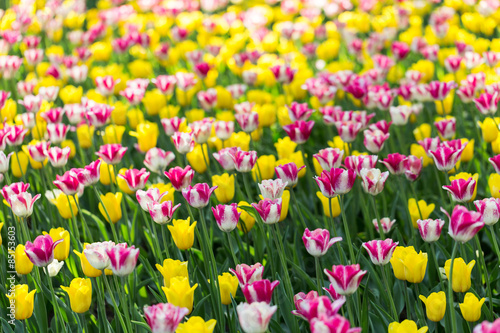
(151, 196)
(183, 142)
(62, 203)
(489, 209)
(332, 324)
(14, 135)
(445, 158)
(317, 242)
(395, 163)
(439, 90)
(68, 183)
(14, 189)
(495, 161)
(422, 211)
(182, 233)
(269, 210)
(61, 253)
(461, 190)
(80, 294)
(446, 127)
(325, 202)
(198, 195)
(112, 206)
(386, 224)
(180, 293)
(335, 182)
(58, 157)
(38, 151)
(248, 274)
(345, 279)
(164, 317)
(288, 173)
(112, 153)
(348, 130)
(255, 317)
(373, 180)
(4, 162)
(122, 259)
(22, 204)
(400, 114)
(489, 129)
(57, 132)
(312, 306)
(464, 224)
(244, 161)
(299, 131)
(461, 274)
(106, 84)
(435, 305)
(380, 251)
(226, 216)
(98, 115)
(136, 179)
(157, 159)
(471, 307)
(172, 125)
(408, 265)
(407, 326)
(87, 268)
(225, 157)
(179, 177)
(225, 187)
(247, 221)
(162, 213)
(430, 230)
(487, 103)
(224, 129)
(97, 254)
(165, 83)
(201, 130)
(374, 140)
(41, 251)
(299, 111)
(413, 167)
(23, 264)
(329, 158)
(23, 301)
(172, 268)
(487, 327)
(228, 285)
(197, 324)
(248, 122)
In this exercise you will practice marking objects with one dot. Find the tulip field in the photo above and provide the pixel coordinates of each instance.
(250, 166)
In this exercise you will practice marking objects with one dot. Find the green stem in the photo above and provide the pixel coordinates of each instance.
(117, 310)
(165, 244)
(319, 275)
(486, 274)
(377, 215)
(231, 248)
(494, 240)
(297, 207)
(346, 229)
(450, 289)
(388, 288)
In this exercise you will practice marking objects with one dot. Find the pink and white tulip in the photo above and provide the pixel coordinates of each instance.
(41, 251)
(164, 317)
(111, 153)
(244, 161)
(122, 259)
(380, 251)
(157, 159)
(489, 209)
(255, 317)
(299, 131)
(96, 254)
(461, 190)
(162, 213)
(317, 242)
(226, 216)
(386, 224)
(90, 174)
(269, 210)
(179, 177)
(224, 129)
(395, 163)
(464, 224)
(445, 158)
(172, 125)
(345, 279)
(373, 180)
(58, 157)
(198, 195)
(136, 179)
(348, 130)
(430, 230)
(329, 158)
(68, 183)
(289, 173)
(335, 182)
(183, 142)
(259, 291)
(248, 274)
(272, 188)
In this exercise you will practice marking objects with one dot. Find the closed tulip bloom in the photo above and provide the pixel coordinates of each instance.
(68, 183)
(122, 259)
(335, 182)
(226, 216)
(111, 153)
(400, 114)
(22, 204)
(489, 209)
(201, 130)
(61, 253)
(58, 157)
(97, 254)
(162, 213)
(182, 233)
(487, 327)
(172, 125)
(148, 197)
(179, 177)
(408, 265)
(80, 294)
(446, 127)
(445, 158)
(255, 317)
(471, 307)
(62, 203)
(183, 142)
(198, 195)
(380, 251)
(87, 269)
(164, 317)
(23, 264)
(395, 163)
(136, 179)
(461, 190)
(373, 180)
(38, 151)
(288, 173)
(386, 224)
(269, 210)
(4, 162)
(248, 274)
(225, 157)
(374, 140)
(487, 103)
(430, 230)
(228, 285)
(244, 161)
(224, 129)
(272, 188)
(225, 187)
(406, 326)
(14, 135)
(248, 122)
(461, 274)
(317, 242)
(112, 206)
(464, 224)
(90, 174)
(310, 305)
(197, 324)
(157, 159)
(332, 324)
(413, 167)
(23, 301)
(41, 251)
(180, 293)
(57, 132)
(329, 158)
(495, 161)
(348, 130)
(172, 268)
(435, 305)
(299, 131)
(345, 279)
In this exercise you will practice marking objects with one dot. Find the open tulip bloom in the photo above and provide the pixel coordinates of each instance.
(197, 166)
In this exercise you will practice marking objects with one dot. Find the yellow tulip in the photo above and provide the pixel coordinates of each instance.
(9, 110)
(80, 294)
(23, 301)
(71, 145)
(194, 115)
(422, 208)
(285, 205)
(224, 98)
(182, 233)
(147, 135)
(267, 114)
(489, 129)
(140, 68)
(180, 293)
(23, 264)
(170, 111)
(228, 285)
(435, 305)
(326, 205)
(468, 152)
(135, 117)
(62, 204)
(196, 159)
(407, 326)
(409, 265)
(196, 325)
(466, 176)
(112, 206)
(19, 164)
(154, 101)
(419, 151)
(1, 226)
(471, 307)
(113, 134)
(448, 104)
(246, 221)
(225, 190)
(461, 274)
(61, 252)
(264, 167)
(423, 131)
(85, 135)
(71, 94)
(119, 113)
(106, 173)
(101, 51)
(494, 185)
(285, 147)
(172, 268)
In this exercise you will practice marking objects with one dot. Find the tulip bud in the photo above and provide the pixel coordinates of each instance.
(317, 242)
(380, 251)
(255, 317)
(226, 216)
